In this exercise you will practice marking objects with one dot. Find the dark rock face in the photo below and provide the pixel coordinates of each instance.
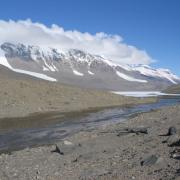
(19, 50)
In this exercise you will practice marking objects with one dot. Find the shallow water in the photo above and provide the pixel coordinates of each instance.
(22, 137)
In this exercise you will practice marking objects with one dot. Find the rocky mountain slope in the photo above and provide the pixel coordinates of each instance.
(173, 89)
(80, 68)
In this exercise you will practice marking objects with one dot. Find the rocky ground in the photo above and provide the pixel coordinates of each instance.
(21, 95)
(140, 148)
(173, 89)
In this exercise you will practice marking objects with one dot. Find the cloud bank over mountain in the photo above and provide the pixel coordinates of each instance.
(109, 46)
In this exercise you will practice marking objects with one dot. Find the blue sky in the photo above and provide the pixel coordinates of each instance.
(150, 25)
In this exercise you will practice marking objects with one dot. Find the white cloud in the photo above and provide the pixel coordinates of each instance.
(109, 46)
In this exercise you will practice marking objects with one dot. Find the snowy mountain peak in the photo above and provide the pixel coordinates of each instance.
(30, 52)
(74, 63)
(160, 73)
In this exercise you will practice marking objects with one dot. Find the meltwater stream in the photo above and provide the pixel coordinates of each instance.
(28, 137)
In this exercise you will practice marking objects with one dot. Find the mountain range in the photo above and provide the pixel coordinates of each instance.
(76, 67)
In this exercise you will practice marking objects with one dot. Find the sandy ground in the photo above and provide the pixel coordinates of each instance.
(21, 95)
(101, 154)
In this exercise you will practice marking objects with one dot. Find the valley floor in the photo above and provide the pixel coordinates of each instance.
(23, 95)
(104, 153)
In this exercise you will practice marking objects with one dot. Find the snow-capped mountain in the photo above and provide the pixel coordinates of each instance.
(83, 69)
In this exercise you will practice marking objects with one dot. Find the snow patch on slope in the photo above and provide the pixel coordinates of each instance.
(129, 78)
(143, 93)
(38, 75)
(55, 68)
(91, 73)
(77, 73)
(4, 62)
(45, 68)
(51, 68)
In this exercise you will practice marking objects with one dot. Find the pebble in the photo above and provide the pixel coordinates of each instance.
(68, 142)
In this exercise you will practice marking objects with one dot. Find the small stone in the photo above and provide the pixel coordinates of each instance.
(37, 177)
(178, 172)
(137, 130)
(68, 142)
(173, 140)
(171, 131)
(125, 160)
(176, 154)
(56, 173)
(75, 160)
(57, 150)
(150, 160)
